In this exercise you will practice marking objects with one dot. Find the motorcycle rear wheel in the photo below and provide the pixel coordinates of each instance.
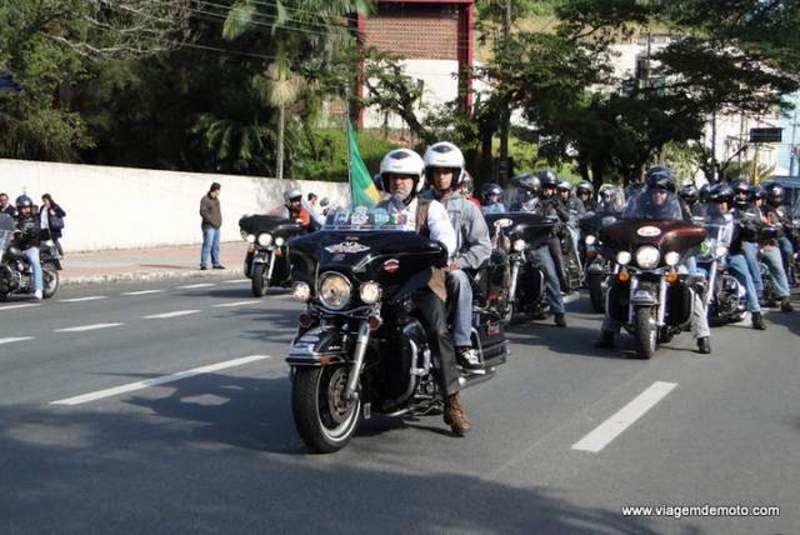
(646, 333)
(324, 419)
(51, 280)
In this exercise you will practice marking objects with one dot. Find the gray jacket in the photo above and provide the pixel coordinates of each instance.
(473, 245)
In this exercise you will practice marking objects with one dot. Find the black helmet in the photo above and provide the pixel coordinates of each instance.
(660, 180)
(758, 192)
(721, 192)
(528, 182)
(689, 193)
(775, 195)
(584, 186)
(23, 201)
(548, 179)
(740, 185)
(704, 192)
(489, 190)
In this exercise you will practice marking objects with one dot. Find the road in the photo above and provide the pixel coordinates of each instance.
(565, 436)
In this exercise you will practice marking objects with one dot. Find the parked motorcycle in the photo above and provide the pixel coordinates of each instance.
(516, 236)
(16, 275)
(725, 296)
(267, 261)
(361, 346)
(596, 266)
(646, 293)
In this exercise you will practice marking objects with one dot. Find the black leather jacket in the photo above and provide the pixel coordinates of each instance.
(30, 232)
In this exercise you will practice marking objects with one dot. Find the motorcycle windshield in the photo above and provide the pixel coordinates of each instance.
(653, 204)
(388, 217)
(533, 228)
(276, 225)
(7, 227)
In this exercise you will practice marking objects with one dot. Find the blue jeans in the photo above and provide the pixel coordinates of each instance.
(773, 260)
(210, 244)
(750, 250)
(737, 266)
(32, 254)
(459, 297)
(551, 286)
(787, 251)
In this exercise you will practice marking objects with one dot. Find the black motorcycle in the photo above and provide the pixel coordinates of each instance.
(725, 296)
(515, 237)
(16, 274)
(361, 347)
(267, 261)
(596, 266)
(647, 295)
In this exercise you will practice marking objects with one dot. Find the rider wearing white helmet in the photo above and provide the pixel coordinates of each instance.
(403, 176)
(444, 170)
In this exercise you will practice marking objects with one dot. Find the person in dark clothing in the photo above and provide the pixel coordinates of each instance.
(27, 240)
(52, 218)
(550, 204)
(6, 207)
(211, 214)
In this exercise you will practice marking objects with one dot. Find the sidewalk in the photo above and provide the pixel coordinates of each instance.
(148, 264)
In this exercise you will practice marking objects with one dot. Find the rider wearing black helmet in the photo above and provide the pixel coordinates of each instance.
(690, 195)
(27, 239)
(776, 214)
(492, 199)
(552, 205)
(585, 192)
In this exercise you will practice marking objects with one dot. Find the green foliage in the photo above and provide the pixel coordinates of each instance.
(322, 155)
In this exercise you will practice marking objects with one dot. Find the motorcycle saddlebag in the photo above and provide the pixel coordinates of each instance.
(679, 304)
(491, 340)
(617, 299)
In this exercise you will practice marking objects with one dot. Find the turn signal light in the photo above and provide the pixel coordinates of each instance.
(672, 276)
(374, 322)
(623, 276)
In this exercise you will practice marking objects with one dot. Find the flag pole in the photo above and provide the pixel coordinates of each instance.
(347, 141)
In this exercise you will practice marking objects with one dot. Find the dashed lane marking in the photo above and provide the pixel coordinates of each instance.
(139, 385)
(23, 305)
(84, 328)
(236, 281)
(604, 433)
(238, 304)
(167, 315)
(15, 339)
(83, 299)
(193, 286)
(144, 292)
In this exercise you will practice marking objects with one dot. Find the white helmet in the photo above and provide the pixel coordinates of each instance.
(403, 162)
(445, 155)
(292, 193)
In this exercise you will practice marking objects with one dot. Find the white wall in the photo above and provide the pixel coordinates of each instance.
(120, 207)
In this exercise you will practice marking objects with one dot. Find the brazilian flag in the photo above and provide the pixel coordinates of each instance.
(362, 190)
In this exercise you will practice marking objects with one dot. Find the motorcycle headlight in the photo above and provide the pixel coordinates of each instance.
(647, 257)
(279, 241)
(264, 239)
(672, 258)
(334, 291)
(590, 240)
(370, 292)
(623, 258)
(251, 238)
(301, 291)
(721, 250)
(519, 245)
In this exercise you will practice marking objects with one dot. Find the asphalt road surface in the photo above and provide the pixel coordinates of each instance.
(165, 408)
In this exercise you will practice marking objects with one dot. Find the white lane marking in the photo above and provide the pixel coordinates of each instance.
(24, 305)
(604, 433)
(238, 304)
(193, 286)
(236, 281)
(571, 297)
(139, 385)
(82, 299)
(17, 339)
(84, 328)
(144, 292)
(166, 315)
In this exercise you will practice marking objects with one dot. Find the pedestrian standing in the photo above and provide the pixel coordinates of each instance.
(211, 214)
(51, 216)
(6, 207)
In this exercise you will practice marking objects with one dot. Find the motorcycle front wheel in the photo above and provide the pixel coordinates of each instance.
(595, 284)
(646, 333)
(51, 280)
(260, 280)
(325, 420)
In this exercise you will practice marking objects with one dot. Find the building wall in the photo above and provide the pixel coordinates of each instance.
(120, 207)
(416, 33)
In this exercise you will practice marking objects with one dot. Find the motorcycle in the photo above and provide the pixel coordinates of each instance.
(647, 295)
(361, 346)
(725, 295)
(596, 266)
(515, 237)
(16, 275)
(573, 267)
(267, 262)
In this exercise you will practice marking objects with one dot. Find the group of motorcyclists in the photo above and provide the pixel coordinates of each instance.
(32, 226)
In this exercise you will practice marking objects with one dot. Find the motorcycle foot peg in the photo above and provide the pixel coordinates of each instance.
(471, 371)
(367, 411)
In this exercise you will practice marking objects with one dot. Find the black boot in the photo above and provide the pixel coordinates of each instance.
(560, 320)
(606, 341)
(786, 304)
(704, 345)
(758, 321)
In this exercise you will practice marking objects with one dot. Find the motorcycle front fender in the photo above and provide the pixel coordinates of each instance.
(319, 347)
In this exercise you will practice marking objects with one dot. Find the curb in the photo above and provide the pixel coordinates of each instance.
(149, 276)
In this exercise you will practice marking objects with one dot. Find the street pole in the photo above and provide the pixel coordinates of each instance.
(281, 132)
(792, 146)
(714, 144)
(505, 123)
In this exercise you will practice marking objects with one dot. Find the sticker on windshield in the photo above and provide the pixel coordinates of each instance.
(648, 231)
(347, 247)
